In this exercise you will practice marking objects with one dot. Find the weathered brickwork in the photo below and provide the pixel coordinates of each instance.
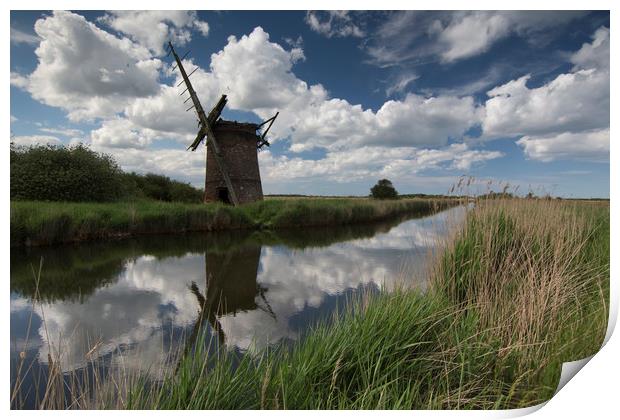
(237, 142)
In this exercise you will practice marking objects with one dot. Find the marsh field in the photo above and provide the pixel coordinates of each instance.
(305, 304)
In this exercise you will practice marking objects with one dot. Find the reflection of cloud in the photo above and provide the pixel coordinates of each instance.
(296, 280)
(19, 304)
(151, 293)
(148, 293)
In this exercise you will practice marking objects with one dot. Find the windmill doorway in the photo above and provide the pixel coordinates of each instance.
(223, 196)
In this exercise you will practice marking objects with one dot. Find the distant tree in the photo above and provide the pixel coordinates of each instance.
(383, 190)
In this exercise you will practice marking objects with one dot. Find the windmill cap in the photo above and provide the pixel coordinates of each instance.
(223, 125)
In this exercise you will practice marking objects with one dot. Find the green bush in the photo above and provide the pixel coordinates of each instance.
(73, 173)
(159, 187)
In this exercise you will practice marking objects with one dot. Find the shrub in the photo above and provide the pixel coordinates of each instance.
(73, 173)
(159, 187)
(383, 189)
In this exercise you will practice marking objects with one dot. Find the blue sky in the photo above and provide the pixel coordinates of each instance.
(420, 98)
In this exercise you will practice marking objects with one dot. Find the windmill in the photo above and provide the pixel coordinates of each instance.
(231, 174)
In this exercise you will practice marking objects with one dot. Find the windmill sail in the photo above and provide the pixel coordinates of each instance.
(206, 124)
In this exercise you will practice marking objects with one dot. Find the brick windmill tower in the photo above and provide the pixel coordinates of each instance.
(232, 174)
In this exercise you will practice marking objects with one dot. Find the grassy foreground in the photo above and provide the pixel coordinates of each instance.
(44, 223)
(522, 287)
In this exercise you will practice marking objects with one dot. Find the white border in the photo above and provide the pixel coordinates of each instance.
(593, 393)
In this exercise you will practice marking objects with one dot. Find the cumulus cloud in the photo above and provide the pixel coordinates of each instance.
(367, 163)
(154, 28)
(573, 107)
(595, 54)
(120, 133)
(257, 76)
(21, 37)
(175, 163)
(18, 80)
(87, 71)
(261, 73)
(571, 102)
(257, 72)
(333, 23)
(589, 145)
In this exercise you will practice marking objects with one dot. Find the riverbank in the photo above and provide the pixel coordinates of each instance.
(46, 223)
(522, 287)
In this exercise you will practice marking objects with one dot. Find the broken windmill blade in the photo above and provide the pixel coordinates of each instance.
(211, 119)
(260, 142)
(184, 55)
(205, 126)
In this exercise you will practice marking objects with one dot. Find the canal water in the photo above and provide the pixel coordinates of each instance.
(129, 305)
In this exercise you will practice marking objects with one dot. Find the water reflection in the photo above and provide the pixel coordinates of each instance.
(132, 303)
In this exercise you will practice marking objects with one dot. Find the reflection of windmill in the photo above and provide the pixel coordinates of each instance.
(232, 174)
(231, 287)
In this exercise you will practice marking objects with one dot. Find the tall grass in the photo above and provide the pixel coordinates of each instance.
(45, 223)
(536, 275)
(520, 288)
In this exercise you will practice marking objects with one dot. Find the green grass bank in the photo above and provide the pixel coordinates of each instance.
(520, 288)
(46, 223)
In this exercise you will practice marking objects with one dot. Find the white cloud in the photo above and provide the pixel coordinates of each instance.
(333, 23)
(257, 76)
(14, 118)
(19, 80)
(574, 101)
(414, 37)
(589, 145)
(571, 102)
(202, 27)
(35, 140)
(21, 37)
(400, 84)
(154, 28)
(165, 112)
(121, 133)
(472, 34)
(63, 131)
(87, 71)
(594, 55)
(176, 163)
(565, 118)
(369, 163)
